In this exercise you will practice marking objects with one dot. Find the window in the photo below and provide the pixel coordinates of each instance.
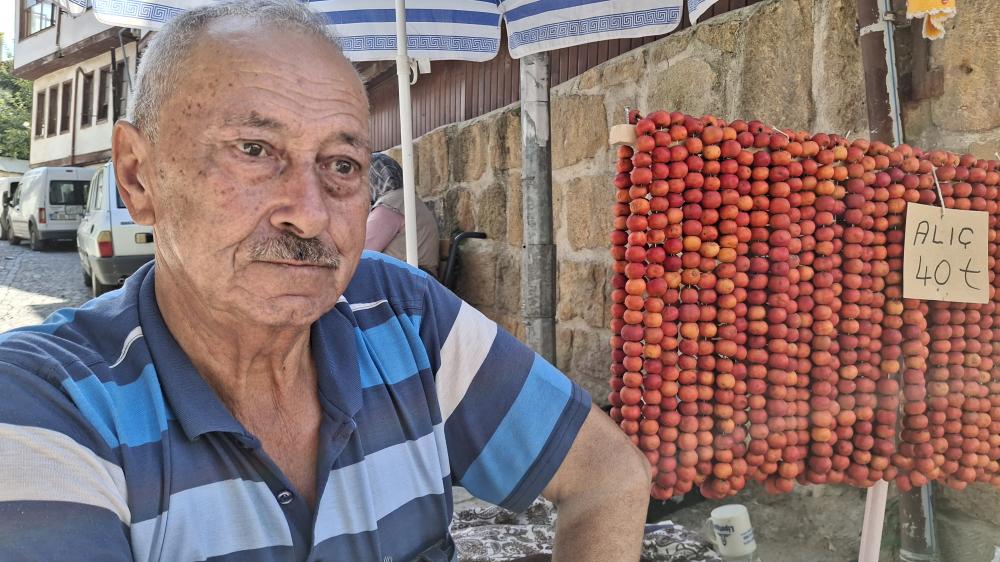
(40, 113)
(95, 190)
(121, 90)
(36, 15)
(65, 113)
(87, 101)
(50, 121)
(102, 93)
(67, 192)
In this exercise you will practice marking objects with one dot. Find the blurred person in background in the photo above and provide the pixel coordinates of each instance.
(385, 227)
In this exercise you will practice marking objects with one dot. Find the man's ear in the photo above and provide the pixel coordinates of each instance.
(134, 171)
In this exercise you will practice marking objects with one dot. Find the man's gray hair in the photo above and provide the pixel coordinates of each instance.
(162, 60)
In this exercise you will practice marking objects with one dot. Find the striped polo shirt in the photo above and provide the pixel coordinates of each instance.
(112, 447)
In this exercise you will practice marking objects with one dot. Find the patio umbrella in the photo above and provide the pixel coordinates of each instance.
(468, 30)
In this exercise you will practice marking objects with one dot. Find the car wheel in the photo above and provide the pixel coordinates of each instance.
(14, 239)
(37, 244)
(4, 232)
(87, 281)
(96, 287)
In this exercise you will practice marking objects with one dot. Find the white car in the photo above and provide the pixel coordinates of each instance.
(110, 244)
(47, 205)
(8, 187)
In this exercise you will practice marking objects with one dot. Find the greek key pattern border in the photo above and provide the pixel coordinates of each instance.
(420, 43)
(137, 9)
(597, 24)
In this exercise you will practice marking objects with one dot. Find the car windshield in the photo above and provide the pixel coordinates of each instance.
(67, 192)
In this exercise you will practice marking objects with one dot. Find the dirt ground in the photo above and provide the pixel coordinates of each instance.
(812, 524)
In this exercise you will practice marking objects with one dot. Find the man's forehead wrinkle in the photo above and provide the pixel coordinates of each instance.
(253, 119)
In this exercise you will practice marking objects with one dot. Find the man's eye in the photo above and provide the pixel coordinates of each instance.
(343, 166)
(253, 149)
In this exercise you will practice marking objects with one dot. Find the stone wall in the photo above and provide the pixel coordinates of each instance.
(790, 63)
(964, 116)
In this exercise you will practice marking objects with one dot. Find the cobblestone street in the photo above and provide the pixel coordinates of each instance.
(35, 284)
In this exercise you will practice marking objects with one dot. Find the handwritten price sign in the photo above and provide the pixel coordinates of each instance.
(945, 255)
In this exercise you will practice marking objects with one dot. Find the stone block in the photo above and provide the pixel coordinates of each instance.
(590, 355)
(617, 98)
(477, 281)
(505, 140)
(626, 68)
(508, 296)
(583, 289)
(589, 79)
(587, 202)
(578, 126)
(724, 33)
(667, 48)
(962, 538)
(431, 158)
(692, 85)
(979, 501)
(467, 150)
(988, 149)
(491, 211)
(455, 211)
(838, 82)
(564, 348)
(515, 219)
(971, 99)
(776, 70)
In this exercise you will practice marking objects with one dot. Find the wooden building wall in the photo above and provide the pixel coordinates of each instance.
(457, 91)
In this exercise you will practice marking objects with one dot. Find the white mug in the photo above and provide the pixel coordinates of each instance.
(731, 531)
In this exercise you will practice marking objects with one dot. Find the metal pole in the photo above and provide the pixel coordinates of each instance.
(406, 135)
(918, 541)
(918, 536)
(538, 269)
(878, 56)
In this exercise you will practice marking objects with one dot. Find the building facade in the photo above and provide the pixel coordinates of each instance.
(82, 72)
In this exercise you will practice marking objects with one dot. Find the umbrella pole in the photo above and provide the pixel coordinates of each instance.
(538, 265)
(406, 134)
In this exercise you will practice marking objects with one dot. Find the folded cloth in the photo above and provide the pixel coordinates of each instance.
(493, 534)
(934, 12)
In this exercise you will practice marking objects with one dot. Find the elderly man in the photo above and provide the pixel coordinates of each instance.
(266, 390)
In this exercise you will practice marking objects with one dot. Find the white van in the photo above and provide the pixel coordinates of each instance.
(7, 187)
(110, 244)
(48, 205)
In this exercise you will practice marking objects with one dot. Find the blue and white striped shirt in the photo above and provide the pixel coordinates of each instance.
(112, 447)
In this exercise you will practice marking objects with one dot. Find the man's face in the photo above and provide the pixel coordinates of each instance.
(261, 174)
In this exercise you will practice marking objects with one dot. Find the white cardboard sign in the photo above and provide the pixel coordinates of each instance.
(945, 255)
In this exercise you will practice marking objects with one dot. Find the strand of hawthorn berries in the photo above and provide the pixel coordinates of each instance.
(700, 353)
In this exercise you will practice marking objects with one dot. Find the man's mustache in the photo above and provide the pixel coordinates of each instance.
(288, 247)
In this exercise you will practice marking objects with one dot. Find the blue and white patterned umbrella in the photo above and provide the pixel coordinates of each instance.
(696, 8)
(449, 29)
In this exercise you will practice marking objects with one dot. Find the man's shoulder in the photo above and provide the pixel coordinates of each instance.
(71, 338)
(84, 372)
(381, 277)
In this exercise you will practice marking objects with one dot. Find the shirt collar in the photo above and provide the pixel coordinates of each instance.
(198, 408)
(195, 404)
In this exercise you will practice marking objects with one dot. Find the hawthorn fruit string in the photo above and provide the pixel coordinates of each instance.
(758, 324)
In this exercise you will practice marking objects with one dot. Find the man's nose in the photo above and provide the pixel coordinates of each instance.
(303, 210)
